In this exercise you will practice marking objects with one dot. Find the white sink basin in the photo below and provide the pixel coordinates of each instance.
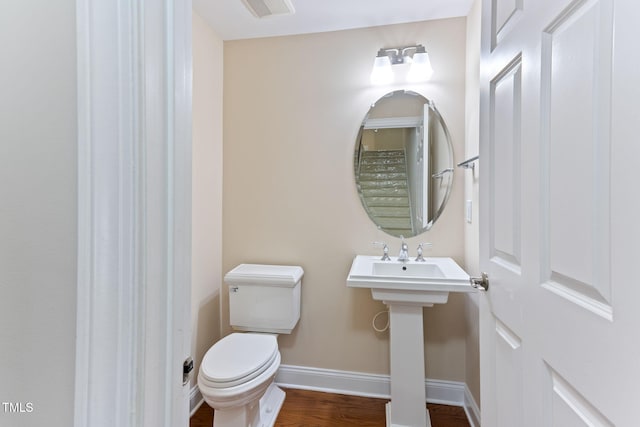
(423, 283)
(393, 269)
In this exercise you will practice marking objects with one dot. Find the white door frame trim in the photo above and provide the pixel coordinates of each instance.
(134, 212)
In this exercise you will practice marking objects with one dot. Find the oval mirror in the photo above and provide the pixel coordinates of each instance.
(403, 163)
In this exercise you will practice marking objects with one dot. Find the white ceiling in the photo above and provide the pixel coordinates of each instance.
(231, 20)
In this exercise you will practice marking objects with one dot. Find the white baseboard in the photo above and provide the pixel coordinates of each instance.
(195, 399)
(332, 381)
(471, 408)
(374, 385)
(452, 393)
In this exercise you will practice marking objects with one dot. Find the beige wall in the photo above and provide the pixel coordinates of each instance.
(38, 192)
(472, 230)
(207, 190)
(292, 109)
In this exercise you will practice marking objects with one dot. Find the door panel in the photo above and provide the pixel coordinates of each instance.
(576, 194)
(569, 408)
(508, 376)
(505, 178)
(505, 14)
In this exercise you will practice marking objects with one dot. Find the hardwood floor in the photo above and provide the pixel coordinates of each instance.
(316, 409)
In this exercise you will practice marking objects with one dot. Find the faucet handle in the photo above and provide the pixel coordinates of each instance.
(385, 250)
(420, 246)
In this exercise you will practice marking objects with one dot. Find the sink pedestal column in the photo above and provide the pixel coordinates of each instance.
(406, 287)
(408, 398)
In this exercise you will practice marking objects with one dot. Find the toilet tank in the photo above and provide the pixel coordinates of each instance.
(264, 298)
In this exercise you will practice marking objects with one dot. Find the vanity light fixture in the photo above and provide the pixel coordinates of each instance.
(417, 56)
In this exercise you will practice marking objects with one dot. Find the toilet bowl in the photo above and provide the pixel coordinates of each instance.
(236, 376)
(236, 379)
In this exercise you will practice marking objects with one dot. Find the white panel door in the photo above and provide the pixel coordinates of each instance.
(559, 194)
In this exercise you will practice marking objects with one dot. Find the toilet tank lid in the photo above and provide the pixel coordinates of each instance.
(262, 274)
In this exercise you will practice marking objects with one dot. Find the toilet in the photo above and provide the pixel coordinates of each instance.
(236, 374)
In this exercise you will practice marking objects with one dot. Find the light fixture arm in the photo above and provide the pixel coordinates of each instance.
(416, 49)
(398, 55)
(394, 55)
(387, 57)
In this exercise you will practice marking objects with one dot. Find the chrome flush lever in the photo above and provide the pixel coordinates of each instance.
(480, 283)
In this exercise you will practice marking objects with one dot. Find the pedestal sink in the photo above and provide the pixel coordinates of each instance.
(407, 287)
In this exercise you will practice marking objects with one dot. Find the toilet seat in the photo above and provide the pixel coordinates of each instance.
(238, 358)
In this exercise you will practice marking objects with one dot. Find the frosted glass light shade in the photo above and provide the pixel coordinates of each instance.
(420, 70)
(382, 72)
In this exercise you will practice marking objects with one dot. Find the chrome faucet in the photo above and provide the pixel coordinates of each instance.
(404, 251)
